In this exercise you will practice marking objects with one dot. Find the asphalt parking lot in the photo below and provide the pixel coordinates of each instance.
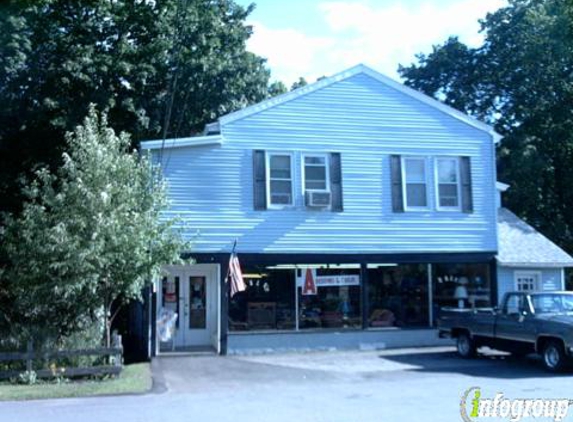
(407, 385)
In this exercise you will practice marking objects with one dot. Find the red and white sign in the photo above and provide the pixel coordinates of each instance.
(169, 290)
(310, 282)
(338, 280)
(309, 286)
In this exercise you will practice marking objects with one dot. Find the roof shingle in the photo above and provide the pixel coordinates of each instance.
(522, 245)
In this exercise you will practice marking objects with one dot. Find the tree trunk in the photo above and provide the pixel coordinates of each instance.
(107, 325)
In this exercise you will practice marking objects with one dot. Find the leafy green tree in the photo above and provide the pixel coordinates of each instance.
(299, 84)
(89, 235)
(520, 80)
(277, 88)
(159, 68)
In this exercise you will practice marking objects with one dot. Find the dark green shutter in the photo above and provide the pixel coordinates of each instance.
(466, 180)
(396, 180)
(259, 180)
(336, 182)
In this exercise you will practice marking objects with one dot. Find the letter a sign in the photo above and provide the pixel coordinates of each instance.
(309, 286)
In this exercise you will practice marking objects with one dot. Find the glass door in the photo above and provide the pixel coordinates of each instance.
(189, 301)
(198, 319)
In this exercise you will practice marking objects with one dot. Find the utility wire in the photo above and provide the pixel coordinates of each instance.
(180, 16)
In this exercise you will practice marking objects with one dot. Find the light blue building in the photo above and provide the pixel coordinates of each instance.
(526, 259)
(360, 208)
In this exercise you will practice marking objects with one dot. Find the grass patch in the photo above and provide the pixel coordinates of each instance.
(134, 378)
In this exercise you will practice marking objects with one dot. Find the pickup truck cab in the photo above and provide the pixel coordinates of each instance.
(540, 322)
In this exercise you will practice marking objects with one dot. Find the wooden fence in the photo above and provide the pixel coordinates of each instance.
(114, 355)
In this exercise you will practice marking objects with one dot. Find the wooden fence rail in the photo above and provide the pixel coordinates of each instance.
(29, 356)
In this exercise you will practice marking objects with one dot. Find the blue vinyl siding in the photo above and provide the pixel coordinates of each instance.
(550, 279)
(211, 187)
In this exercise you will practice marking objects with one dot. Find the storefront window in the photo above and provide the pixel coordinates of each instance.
(398, 295)
(268, 303)
(461, 286)
(335, 303)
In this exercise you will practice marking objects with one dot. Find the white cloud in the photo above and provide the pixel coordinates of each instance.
(381, 34)
(290, 53)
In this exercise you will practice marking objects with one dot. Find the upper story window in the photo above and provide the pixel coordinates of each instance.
(448, 183)
(274, 177)
(415, 183)
(279, 180)
(315, 175)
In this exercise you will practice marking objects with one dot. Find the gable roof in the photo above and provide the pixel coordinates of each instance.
(359, 69)
(520, 245)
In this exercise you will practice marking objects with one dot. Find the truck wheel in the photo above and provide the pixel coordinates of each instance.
(553, 355)
(466, 346)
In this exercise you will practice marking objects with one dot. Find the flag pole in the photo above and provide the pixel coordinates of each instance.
(229, 267)
(235, 275)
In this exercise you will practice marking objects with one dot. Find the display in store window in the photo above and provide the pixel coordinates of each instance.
(268, 302)
(461, 286)
(398, 295)
(336, 303)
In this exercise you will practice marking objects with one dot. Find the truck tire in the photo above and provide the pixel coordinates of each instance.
(466, 346)
(553, 355)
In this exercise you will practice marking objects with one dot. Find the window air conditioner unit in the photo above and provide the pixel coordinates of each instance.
(317, 199)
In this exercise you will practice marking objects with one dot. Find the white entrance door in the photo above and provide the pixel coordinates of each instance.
(194, 298)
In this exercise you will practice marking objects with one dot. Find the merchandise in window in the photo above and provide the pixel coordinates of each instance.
(268, 303)
(398, 296)
(461, 286)
(333, 306)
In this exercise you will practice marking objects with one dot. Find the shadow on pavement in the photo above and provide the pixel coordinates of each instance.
(485, 365)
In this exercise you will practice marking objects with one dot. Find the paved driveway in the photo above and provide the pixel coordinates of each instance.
(401, 385)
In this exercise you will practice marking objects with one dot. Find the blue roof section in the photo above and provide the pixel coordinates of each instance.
(520, 245)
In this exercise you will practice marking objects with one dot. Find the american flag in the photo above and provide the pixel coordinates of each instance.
(236, 275)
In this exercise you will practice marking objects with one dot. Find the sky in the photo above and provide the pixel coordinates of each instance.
(314, 38)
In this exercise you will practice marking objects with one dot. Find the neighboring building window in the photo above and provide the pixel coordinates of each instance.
(280, 180)
(315, 174)
(448, 183)
(415, 183)
(527, 281)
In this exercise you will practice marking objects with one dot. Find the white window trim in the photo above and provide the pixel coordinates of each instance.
(303, 173)
(520, 273)
(268, 155)
(404, 182)
(437, 184)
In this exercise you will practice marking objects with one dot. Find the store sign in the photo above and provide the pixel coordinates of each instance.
(310, 282)
(338, 280)
(309, 286)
